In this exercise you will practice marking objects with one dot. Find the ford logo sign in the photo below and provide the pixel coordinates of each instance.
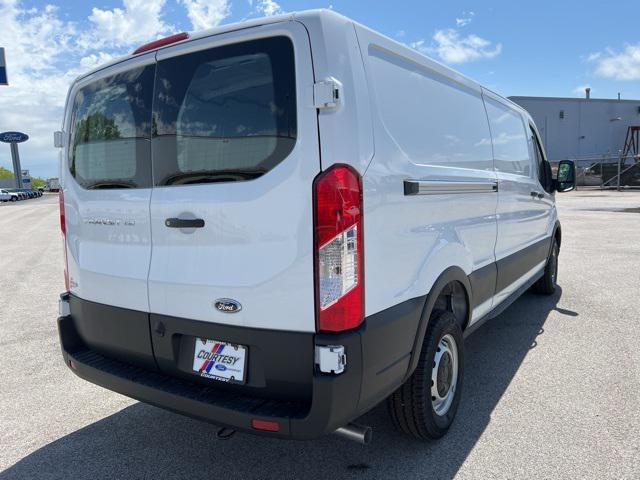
(13, 137)
(220, 367)
(227, 305)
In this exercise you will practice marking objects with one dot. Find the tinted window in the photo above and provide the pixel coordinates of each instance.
(111, 131)
(510, 139)
(224, 114)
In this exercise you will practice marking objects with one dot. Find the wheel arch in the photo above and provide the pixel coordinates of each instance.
(451, 275)
(557, 233)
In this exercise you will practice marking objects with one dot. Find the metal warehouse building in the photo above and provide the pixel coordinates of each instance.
(582, 128)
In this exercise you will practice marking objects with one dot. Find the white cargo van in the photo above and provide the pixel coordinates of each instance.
(276, 225)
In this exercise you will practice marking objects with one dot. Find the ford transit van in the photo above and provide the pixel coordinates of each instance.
(276, 225)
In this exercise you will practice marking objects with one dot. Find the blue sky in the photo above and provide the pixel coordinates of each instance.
(546, 48)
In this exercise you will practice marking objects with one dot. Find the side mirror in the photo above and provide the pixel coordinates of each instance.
(58, 139)
(566, 176)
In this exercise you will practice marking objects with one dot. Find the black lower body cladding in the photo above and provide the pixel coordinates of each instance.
(149, 357)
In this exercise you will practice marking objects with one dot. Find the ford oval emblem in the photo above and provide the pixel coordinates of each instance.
(227, 305)
(13, 137)
(220, 367)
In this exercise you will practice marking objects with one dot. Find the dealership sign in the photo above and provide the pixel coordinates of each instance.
(13, 137)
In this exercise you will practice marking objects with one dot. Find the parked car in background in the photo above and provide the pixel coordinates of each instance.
(316, 219)
(31, 193)
(7, 196)
(21, 195)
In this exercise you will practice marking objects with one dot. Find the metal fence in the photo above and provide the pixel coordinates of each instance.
(607, 171)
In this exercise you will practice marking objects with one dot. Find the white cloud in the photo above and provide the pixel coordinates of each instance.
(268, 8)
(94, 60)
(420, 46)
(32, 38)
(45, 53)
(139, 21)
(624, 65)
(206, 13)
(465, 19)
(35, 42)
(452, 48)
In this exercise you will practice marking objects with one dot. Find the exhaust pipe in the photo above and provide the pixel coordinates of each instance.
(356, 433)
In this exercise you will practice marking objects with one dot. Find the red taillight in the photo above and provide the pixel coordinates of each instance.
(63, 228)
(338, 249)
(63, 224)
(266, 425)
(161, 42)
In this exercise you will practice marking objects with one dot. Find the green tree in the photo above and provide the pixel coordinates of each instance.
(4, 173)
(37, 182)
(96, 126)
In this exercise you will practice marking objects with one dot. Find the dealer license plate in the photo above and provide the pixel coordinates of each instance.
(220, 360)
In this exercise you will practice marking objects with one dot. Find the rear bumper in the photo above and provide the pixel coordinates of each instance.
(378, 356)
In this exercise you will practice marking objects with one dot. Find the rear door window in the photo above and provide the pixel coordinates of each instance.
(224, 114)
(111, 131)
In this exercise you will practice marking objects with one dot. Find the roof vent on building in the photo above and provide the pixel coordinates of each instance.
(587, 92)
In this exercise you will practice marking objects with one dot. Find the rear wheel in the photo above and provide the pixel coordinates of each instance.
(14, 199)
(546, 285)
(425, 406)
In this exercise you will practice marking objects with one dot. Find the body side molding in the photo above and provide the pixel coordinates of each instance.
(437, 187)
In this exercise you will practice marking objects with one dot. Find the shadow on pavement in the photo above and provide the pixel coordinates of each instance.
(145, 442)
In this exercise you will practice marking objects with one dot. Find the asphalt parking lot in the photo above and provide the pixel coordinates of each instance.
(552, 386)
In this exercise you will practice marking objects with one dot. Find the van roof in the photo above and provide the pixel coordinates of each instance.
(325, 15)
(207, 33)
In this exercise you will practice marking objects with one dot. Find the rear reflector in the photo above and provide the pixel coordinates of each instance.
(161, 42)
(265, 425)
(339, 249)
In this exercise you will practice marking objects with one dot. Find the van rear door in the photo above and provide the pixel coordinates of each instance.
(107, 201)
(235, 152)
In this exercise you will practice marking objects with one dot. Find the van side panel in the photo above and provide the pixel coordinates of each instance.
(430, 129)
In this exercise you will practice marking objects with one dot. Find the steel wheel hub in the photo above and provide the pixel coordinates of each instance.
(444, 375)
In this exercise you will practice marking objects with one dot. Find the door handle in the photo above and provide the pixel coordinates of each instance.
(184, 223)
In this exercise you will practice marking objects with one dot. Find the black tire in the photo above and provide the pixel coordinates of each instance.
(411, 406)
(14, 199)
(546, 285)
